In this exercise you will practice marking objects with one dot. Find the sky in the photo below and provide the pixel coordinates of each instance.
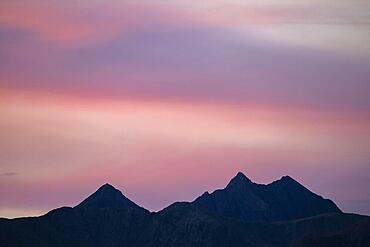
(168, 99)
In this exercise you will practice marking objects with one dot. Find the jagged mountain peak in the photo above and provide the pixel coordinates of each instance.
(107, 196)
(107, 188)
(288, 179)
(283, 199)
(239, 179)
(288, 182)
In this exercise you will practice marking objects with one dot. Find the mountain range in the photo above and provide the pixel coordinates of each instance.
(282, 213)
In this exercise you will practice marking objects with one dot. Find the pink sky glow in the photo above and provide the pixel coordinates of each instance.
(168, 100)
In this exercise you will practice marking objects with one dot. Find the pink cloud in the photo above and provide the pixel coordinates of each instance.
(149, 149)
(82, 23)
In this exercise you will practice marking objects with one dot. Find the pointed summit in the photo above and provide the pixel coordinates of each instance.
(288, 179)
(239, 179)
(107, 187)
(107, 197)
(288, 182)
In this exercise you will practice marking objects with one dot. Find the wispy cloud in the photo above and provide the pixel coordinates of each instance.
(9, 174)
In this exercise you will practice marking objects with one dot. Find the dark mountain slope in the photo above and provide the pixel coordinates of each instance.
(108, 197)
(284, 199)
(184, 224)
(106, 218)
(353, 235)
(181, 225)
(297, 232)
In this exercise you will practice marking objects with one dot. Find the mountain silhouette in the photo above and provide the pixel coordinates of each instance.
(284, 199)
(107, 197)
(283, 213)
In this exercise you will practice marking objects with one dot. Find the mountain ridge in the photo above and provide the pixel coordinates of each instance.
(109, 218)
(283, 199)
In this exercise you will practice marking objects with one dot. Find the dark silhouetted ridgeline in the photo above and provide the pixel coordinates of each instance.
(283, 213)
